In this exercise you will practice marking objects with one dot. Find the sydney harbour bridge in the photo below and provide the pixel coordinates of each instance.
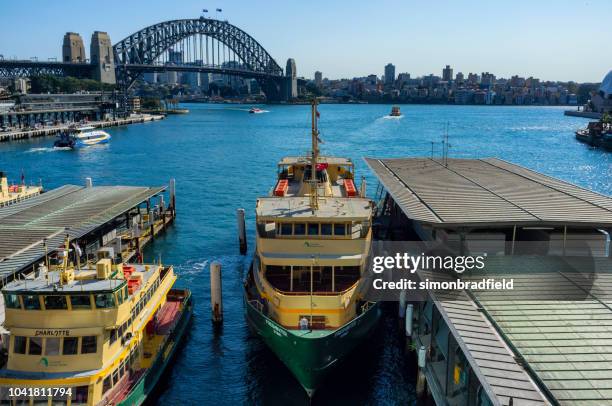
(202, 45)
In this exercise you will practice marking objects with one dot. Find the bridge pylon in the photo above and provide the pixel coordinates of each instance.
(102, 58)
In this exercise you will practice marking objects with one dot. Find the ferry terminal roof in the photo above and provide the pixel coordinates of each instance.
(487, 192)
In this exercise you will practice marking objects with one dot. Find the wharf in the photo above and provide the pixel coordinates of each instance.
(43, 132)
(546, 341)
(118, 218)
(583, 114)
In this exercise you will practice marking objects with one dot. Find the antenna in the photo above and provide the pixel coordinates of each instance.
(314, 200)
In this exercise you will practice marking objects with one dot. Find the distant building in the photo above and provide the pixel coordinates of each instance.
(389, 74)
(73, 49)
(291, 75)
(402, 79)
(175, 57)
(318, 78)
(601, 101)
(134, 104)
(22, 85)
(459, 78)
(447, 73)
(487, 79)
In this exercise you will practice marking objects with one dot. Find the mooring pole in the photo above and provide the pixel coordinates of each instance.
(241, 231)
(216, 301)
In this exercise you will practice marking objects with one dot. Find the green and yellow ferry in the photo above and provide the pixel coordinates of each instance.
(91, 334)
(304, 290)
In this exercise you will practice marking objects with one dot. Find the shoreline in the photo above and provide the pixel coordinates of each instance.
(45, 132)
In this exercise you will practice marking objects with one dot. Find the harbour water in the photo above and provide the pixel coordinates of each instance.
(223, 158)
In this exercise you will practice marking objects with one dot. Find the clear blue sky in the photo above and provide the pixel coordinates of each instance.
(549, 39)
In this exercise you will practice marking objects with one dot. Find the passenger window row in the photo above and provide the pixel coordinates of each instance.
(313, 229)
(55, 345)
(80, 301)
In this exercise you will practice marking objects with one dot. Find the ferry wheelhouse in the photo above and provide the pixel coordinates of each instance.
(91, 334)
(303, 291)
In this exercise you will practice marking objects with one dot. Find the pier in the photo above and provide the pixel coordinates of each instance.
(43, 132)
(120, 218)
(546, 341)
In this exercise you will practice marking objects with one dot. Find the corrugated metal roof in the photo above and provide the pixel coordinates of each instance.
(487, 352)
(72, 210)
(473, 192)
(559, 321)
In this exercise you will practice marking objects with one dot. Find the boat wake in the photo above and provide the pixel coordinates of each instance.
(47, 149)
(393, 117)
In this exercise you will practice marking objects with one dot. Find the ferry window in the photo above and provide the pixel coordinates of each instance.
(12, 301)
(119, 298)
(326, 229)
(89, 345)
(55, 303)
(19, 345)
(79, 396)
(115, 376)
(126, 294)
(339, 229)
(31, 302)
(105, 301)
(113, 336)
(35, 347)
(70, 345)
(80, 302)
(313, 228)
(106, 384)
(299, 229)
(52, 346)
(286, 228)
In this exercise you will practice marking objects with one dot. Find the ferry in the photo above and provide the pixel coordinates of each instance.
(10, 194)
(597, 133)
(255, 110)
(395, 112)
(81, 137)
(303, 292)
(99, 333)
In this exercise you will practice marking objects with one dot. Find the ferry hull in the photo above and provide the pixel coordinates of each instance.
(311, 355)
(148, 382)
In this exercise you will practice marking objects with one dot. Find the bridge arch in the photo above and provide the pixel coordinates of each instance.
(147, 45)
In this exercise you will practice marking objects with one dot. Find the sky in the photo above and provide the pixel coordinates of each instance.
(548, 39)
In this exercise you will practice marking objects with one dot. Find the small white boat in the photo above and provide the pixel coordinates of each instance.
(255, 110)
(87, 136)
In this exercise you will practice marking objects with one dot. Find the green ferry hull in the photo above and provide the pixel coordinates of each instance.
(147, 383)
(311, 354)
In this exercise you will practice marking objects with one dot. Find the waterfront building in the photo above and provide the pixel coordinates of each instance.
(473, 78)
(447, 73)
(73, 49)
(389, 74)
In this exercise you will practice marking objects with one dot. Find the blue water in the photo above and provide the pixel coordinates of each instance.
(223, 158)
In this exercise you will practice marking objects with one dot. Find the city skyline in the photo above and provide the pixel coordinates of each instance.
(557, 41)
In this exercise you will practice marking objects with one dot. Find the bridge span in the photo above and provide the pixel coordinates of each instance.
(201, 45)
